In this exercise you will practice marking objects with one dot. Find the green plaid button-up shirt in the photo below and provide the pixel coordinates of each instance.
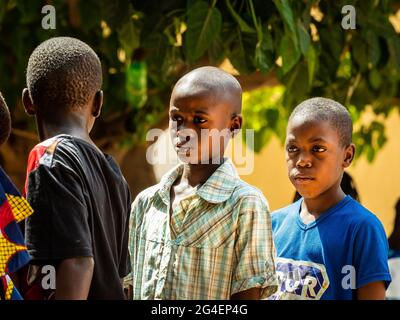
(217, 242)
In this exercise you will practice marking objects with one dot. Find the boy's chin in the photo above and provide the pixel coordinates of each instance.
(307, 194)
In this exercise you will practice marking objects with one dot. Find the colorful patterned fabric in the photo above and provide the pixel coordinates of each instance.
(217, 242)
(13, 254)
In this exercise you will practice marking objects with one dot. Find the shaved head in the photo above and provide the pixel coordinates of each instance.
(213, 82)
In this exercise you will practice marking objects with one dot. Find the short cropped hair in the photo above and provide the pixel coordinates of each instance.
(5, 121)
(323, 109)
(63, 73)
(216, 82)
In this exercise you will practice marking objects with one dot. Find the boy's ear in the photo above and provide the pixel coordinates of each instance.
(349, 155)
(236, 124)
(97, 103)
(28, 103)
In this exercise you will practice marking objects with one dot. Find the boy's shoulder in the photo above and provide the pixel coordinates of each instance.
(349, 212)
(145, 196)
(354, 213)
(59, 149)
(245, 191)
(289, 211)
(43, 153)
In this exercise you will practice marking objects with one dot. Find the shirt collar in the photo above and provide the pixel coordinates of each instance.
(217, 189)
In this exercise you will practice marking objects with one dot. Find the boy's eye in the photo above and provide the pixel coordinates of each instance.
(177, 118)
(198, 120)
(291, 149)
(318, 149)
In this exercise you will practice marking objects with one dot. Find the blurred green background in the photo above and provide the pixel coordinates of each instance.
(282, 52)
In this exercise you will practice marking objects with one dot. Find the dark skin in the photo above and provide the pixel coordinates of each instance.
(77, 123)
(316, 159)
(197, 113)
(74, 275)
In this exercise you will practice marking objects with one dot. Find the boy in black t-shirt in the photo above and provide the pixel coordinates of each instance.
(80, 198)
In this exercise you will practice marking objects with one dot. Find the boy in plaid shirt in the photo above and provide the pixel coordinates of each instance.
(202, 232)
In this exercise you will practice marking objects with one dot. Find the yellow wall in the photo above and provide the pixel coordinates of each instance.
(378, 183)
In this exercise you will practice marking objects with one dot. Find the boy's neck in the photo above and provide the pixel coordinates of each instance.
(317, 206)
(196, 174)
(74, 127)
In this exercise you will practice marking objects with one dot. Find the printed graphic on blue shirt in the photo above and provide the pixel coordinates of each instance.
(303, 280)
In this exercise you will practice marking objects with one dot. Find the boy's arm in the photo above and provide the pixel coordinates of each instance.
(58, 230)
(130, 292)
(254, 275)
(73, 279)
(251, 294)
(372, 291)
(135, 210)
(371, 260)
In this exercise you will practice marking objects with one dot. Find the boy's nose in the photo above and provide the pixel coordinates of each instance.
(304, 161)
(185, 135)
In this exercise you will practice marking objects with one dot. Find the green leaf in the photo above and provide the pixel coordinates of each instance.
(381, 140)
(263, 58)
(375, 79)
(136, 84)
(311, 64)
(289, 52)
(344, 69)
(354, 112)
(263, 54)
(374, 50)
(129, 38)
(244, 27)
(286, 13)
(360, 53)
(237, 56)
(304, 38)
(216, 52)
(204, 25)
(394, 48)
(370, 154)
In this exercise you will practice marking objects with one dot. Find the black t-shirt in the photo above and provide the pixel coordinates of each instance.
(81, 206)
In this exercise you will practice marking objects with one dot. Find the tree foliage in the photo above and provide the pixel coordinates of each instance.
(146, 45)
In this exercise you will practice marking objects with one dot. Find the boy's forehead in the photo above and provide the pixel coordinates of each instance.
(311, 129)
(198, 100)
(192, 90)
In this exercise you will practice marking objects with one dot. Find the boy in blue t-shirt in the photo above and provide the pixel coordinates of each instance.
(328, 245)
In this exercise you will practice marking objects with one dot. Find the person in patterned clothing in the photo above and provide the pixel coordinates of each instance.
(202, 232)
(13, 209)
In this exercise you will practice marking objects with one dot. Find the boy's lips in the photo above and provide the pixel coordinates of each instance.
(303, 178)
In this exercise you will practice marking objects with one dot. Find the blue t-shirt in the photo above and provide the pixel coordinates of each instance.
(344, 249)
